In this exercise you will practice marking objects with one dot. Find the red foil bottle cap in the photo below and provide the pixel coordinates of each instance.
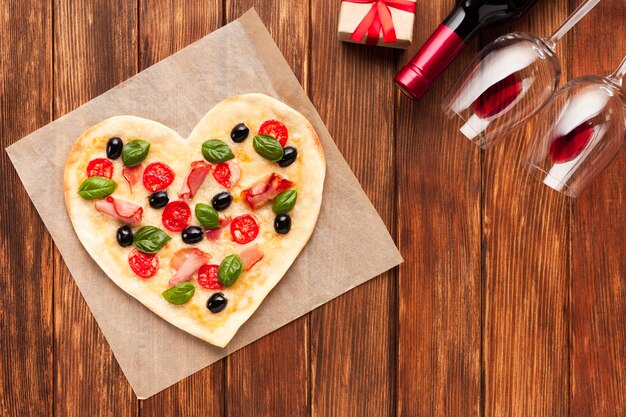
(412, 82)
(434, 56)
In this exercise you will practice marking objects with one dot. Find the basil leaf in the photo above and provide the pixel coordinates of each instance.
(285, 201)
(135, 152)
(216, 151)
(179, 294)
(207, 215)
(268, 147)
(229, 270)
(96, 187)
(150, 239)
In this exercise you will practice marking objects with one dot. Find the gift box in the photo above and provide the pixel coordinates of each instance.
(377, 22)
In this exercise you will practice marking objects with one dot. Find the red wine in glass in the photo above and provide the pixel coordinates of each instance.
(498, 97)
(566, 147)
(579, 132)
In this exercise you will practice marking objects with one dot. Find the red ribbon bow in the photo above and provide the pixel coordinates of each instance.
(379, 17)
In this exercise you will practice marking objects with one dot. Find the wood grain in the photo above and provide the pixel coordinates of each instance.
(164, 28)
(439, 284)
(94, 50)
(511, 301)
(598, 254)
(270, 377)
(525, 270)
(26, 251)
(352, 337)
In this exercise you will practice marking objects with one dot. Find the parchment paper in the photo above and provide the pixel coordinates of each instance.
(238, 58)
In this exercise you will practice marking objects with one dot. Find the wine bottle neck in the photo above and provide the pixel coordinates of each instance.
(435, 55)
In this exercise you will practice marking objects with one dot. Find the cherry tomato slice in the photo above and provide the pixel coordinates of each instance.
(176, 216)
(244, 229)
(227, 173)
(157, 176)
(207, 277)
(100, 167)
(145, 265)
(276, 129)
(222, 174)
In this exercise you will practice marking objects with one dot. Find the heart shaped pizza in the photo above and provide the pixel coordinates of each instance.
(199, 230)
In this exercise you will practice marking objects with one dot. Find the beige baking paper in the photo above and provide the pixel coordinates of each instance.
(351, 14)
(349, 246)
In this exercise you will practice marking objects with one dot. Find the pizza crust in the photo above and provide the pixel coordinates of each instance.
(97, 231)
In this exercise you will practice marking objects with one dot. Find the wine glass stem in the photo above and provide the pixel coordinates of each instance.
(620, 72)
(571, 21)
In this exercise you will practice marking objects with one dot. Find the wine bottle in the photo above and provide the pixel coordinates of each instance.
(450, 38)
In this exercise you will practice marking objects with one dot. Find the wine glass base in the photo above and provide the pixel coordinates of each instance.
(551, 181)
(470, 128)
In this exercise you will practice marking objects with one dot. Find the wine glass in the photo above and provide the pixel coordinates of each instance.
(508, 82)
(579, 132)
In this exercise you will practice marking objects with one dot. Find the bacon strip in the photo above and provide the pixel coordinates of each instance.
(123, 210)
(194, 179)
(190, 266)
(214, 234)
(133, 175)
(250, 256)
(265, 190)
(179, 257)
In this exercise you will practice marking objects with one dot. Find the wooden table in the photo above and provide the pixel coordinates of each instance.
(512, 299)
